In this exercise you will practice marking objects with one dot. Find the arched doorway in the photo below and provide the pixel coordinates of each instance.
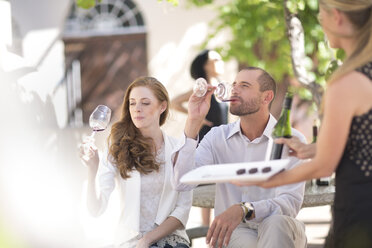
(107, 44)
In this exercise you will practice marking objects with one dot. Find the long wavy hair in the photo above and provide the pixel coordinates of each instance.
(359, 12)
(128, 149)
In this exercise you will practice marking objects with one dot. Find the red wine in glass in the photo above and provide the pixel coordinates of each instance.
(98, 121)
(222, 91)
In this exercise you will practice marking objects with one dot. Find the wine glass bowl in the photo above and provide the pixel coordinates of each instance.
(200, 87)
(98, 121)
(222, 91)
(100, 118)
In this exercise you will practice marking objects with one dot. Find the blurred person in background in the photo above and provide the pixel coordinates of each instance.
(207, 64)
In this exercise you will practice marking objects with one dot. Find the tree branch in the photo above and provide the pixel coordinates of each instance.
(296, 38)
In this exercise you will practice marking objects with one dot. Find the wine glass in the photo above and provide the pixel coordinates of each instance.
(222, 91)
(98, 121)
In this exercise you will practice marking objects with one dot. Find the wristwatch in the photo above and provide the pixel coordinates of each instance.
(248, 210)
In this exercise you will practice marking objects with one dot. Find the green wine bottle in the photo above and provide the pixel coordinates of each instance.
(282, 127)
(315, 131)
(323, 181)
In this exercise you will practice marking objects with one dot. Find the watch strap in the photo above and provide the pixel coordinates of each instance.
(245, 211)
(250, 212)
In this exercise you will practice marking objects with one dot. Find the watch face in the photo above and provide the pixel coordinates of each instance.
(249, 206)
(250, 210)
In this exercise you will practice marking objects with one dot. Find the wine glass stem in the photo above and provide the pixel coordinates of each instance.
(93, 134)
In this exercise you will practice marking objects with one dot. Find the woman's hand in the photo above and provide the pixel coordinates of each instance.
(269, 183)
(88, 154)
(143, 243)
(297, 148)
(242, 183)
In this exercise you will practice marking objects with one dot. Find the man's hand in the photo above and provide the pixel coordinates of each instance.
(198, 108)
(223, 226)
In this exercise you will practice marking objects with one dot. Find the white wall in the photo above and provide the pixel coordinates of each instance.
(175, 34)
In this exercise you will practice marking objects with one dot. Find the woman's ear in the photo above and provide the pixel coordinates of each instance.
(337, 16)
(163, 106)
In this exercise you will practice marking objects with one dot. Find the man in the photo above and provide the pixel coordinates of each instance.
(245, 216)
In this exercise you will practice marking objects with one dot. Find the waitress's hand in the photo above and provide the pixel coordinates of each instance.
(88, 154)
(243, 183)
(269, 183)
(297, 148)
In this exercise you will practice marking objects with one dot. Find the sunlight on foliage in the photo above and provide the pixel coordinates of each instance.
(259, 36)
(87, 4)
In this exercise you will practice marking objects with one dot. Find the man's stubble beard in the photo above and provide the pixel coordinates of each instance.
(246, 108)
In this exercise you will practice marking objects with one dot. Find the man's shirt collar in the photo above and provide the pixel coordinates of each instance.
(267, 131)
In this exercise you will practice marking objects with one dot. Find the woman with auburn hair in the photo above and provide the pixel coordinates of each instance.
(344, 143)
(139, 155)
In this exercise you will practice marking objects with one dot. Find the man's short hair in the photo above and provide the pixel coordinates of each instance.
(265, 80)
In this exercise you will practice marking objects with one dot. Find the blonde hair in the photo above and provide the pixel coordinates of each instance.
(359, 12)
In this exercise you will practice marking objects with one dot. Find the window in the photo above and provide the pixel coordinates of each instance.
(107, 17)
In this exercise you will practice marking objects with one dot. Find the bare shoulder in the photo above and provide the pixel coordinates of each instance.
(352, 82)
(354, 90)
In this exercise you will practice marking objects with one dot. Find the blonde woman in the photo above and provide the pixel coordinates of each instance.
(345, 140)
(152, 213)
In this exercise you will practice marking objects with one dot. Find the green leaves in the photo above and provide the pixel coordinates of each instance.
(331, 68)
(86, 4)
(174, 2)
(259, 36)
(258, 30)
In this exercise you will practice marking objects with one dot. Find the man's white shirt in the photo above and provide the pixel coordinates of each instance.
(227, 144)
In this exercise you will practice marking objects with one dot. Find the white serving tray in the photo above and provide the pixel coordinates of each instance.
(219, 173)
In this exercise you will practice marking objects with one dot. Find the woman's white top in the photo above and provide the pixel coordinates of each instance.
(170, 202)
(151, 187)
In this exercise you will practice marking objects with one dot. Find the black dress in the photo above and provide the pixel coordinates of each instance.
(353, 200)
(217, 114)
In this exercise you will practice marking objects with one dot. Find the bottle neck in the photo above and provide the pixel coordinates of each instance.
(287, 103)
(315, 134)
